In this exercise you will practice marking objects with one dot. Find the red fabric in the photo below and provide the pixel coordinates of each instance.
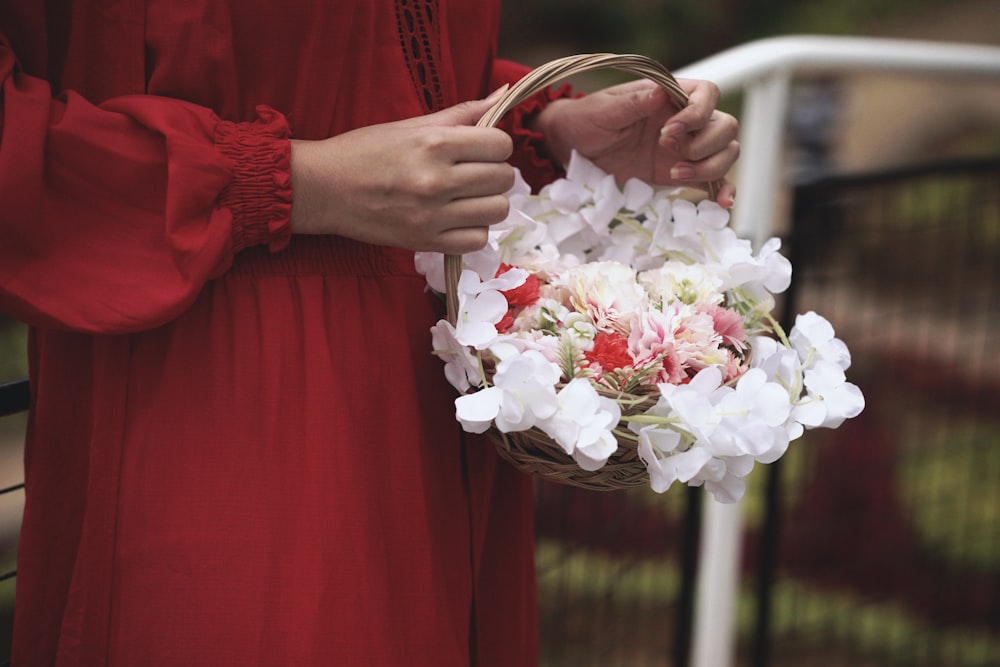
(240, 450)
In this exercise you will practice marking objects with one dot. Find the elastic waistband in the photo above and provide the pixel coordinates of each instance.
(326, 255)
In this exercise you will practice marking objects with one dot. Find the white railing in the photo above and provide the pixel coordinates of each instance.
(764, 70)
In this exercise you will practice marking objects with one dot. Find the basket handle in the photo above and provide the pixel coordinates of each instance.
(544, 76)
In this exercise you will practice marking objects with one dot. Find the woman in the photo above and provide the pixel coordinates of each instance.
(240, 449)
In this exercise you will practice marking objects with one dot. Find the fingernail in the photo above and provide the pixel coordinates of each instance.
(493, 97)
(670, 136)
(675, 128)
(681, 172)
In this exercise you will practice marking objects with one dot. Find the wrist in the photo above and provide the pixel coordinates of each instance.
(545, 123)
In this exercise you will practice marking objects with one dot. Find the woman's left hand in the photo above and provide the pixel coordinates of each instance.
(634, 130)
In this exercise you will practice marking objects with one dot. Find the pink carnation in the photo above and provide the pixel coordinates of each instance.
(729, 324)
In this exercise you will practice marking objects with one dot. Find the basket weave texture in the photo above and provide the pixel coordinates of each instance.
(532, 451)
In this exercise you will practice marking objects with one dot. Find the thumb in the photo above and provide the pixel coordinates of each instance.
(464, 113)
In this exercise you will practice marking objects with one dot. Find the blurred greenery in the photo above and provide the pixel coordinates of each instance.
(948, 480)
(648, 588)
(13, 346)
(679, 33)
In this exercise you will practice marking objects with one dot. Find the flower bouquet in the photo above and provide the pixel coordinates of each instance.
(614, 336)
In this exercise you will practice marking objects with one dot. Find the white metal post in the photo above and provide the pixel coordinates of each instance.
(760, 174)
(764, 70)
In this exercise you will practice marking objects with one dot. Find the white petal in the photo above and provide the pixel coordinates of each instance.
(594, 456)
(728, 490)
(687, 465)
(476, 411)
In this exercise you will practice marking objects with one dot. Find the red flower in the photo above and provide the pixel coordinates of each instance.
(610, 351)
(522, 295)
(505, 323)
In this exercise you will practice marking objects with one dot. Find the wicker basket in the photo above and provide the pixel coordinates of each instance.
(532, 451)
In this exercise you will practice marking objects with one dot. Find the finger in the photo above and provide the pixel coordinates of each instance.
(718, 133)
(455, 144)
(702, 99)
(479, 179)
(711, 168)
(473, 212)
(463, 224)
(481, 144)
(460, 240)
(464, 113)
(726, 194)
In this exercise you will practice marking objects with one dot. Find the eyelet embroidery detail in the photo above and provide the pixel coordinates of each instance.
(419, 37)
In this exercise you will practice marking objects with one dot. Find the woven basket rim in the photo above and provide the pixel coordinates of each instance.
(540, 78)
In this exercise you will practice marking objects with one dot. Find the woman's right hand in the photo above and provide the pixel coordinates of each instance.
(429, 183)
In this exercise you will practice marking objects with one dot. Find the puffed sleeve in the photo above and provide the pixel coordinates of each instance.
(113, 216)
(530, 157)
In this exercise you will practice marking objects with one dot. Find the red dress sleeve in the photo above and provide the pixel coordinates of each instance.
(113, 216)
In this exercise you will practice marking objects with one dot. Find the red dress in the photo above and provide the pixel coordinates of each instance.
(240, 450)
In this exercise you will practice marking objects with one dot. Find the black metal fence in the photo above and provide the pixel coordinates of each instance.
(886, 544)
(875, 544)
(14, 398)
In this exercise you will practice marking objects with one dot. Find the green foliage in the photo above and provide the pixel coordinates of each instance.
(13, 350)
(678, 33)
(948, 480)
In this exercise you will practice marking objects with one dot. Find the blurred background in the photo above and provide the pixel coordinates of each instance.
(877, 544)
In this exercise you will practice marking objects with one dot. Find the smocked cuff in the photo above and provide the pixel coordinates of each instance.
(260, 194)
(536, 166)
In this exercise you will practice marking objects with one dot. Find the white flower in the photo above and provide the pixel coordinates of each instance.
(638, 194)
(724, 478)
(583, 174)
(692, 284)
(733, 260)
(475, 412)
(481, 306)
(608, 201)
(753, 416)
(778, 274)
(461, 368)
(779, 363)
(523, 393)
(431, 266)
(673, 467)
(829, 390)
(692, 404)
(693, 219)
(582, 424)
(814, 339)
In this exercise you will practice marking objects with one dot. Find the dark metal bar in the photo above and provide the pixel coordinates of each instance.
(14, 397)
(690, 538)
(768, 550)
(767, 567)
(964, 166)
